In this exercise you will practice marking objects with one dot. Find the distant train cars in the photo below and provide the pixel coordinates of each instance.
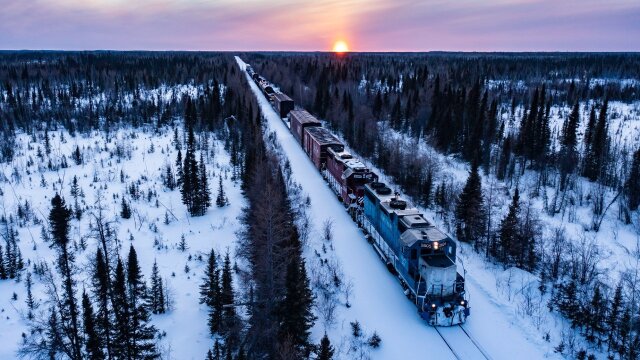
(422, 257)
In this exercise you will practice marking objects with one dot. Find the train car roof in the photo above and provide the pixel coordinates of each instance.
(282, 97)
(323, 136)
(303, 117)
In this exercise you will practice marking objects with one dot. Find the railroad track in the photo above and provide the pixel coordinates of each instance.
(461, 344)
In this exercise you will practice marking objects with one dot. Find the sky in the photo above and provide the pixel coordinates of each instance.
(312, 25)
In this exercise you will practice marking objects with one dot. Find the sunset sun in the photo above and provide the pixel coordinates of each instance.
(340, 47)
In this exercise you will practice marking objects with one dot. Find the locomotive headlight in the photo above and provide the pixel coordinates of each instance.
(433, 306)
(462, 302)
(435, 245)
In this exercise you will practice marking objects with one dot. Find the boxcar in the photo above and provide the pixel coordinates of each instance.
(317, 140)
(283, 104)
(301, 119)
(347, 175)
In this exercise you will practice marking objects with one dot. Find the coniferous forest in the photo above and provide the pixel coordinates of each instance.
(110, 163)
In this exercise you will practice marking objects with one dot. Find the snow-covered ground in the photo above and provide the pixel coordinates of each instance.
(185, 325)
(377, 298)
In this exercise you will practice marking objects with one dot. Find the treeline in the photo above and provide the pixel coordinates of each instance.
(81, 91)
(276, 300)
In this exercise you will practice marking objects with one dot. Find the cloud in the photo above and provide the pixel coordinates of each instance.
(368, 25)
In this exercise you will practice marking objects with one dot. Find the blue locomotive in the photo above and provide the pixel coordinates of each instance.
(423, 257)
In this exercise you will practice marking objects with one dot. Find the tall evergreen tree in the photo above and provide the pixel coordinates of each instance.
(633, 183)
(207, 288)
(470, 212)
(101, 286)
(229, 318)
(203, 192)
(121, 347)
(142, 342)
(221, 199)
(568, 157)
(595, 158)
(509, 232)
(59, 218)
(93, 342)
(296, 315)
(157, 291)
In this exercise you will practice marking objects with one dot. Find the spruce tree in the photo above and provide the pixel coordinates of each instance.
(122, 342)
(595, 158)
(221, 199)
(142, 344)
(229, 318)
(207, 293)
(59, 218)
(101, 289)
(204, 192)
(125, 211)
(93, 342)
(325, 349)
(470, 213)
(633, 183)
(296, 315)
(568, 156)
(77, 155)
(179, 170)
(509, 232)
(613, 317)
(157, 291)
(3, 270)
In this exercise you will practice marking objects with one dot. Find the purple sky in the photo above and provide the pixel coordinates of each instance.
(366, 25)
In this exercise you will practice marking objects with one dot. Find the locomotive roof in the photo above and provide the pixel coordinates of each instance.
(303, 117)
(348, 160)
(411, 236)
(282, 97)
(323, 136)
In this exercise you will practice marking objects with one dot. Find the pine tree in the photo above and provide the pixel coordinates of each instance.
(568, 156)
(296, 315)
(142, 344)
(427, 189)
(32, 305)
(179, 170)
(3, 270)
(157, 291)
(221, 199)
(59, 218)
(204, 192)
(125, 211)
(121, 346)
(595, 321)
(595, 158)
(207, 293)
(470, 212)
(325, 349)
(509, 232)
(101, 286)
(93, 344)
(77, 155)
(229, 318)
(505, 159)
(633, 183)
(613, 317)
(168, 178)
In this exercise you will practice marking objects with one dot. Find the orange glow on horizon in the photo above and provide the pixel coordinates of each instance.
(340, 47)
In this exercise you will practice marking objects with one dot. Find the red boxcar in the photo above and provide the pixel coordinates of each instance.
(299, 120)
(283, 103)
(317, 140)
(347, 175)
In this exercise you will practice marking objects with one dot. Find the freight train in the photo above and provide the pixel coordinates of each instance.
(420, 255)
